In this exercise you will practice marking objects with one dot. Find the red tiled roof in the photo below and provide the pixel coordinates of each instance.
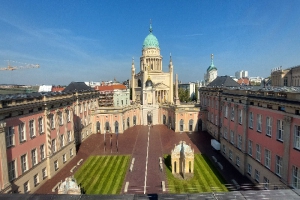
(57, 89)
(110, 87)
(243, 81)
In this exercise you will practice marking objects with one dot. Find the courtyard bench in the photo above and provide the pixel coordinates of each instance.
(220, 165)
(214, 158)
(163, 186)
(236, 184)
(56, 186)
(73, 168)
(126, 186)
(80, 161)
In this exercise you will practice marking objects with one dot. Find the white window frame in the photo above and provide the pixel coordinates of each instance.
(34, 157)
(280, 130)
(41, 125)
(71, 152)
(62, 140)
(42, 151)
(68, 116)
(230, 154)
(44, 173)
(250, 147)
(231, 137)
(26, 187)
(69, 135)
(249, 169)
(269, 126)
(22, 132)
(240, 116)
(267, 158)
(224, 149)
(259, 123)
(32, 128)
(278, 166)
(10, 136)
(64, 158)
(12, 170)
(36, 180)
(240, 141)
(61, 118)
(238, 161)
(53, 146)
(56, 167)
(296, 177)
(226, 111)
(250, 119)
(24, 163)
(52, 121)
(258, 152)
(225, 133)
(232, 113)
(266, 183)
(297, 137)
(257, 175)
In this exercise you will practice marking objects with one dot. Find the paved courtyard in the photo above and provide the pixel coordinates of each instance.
(146, 144)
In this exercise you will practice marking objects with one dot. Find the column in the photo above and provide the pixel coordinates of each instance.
(5, 178)
(287, 122)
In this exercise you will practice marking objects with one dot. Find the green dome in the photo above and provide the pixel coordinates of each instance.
(150, 41)
(212, 66)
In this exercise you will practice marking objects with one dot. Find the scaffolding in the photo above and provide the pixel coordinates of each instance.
(106, 99)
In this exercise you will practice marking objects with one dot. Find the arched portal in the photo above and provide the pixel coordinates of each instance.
(149, 117)
(181, 125)
(134, 120)
(116, 127)
(107, 126)
(164, 119)
(191, 125)
(98, 127)
(128, 123)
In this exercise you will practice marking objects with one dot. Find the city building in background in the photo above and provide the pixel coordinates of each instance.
(286, 77)
(211, 72)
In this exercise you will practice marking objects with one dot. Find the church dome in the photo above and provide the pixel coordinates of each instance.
(150, 41)
(212, 66)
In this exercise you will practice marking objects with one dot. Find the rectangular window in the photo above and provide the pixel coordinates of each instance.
(64, 158)
(56, 165)
(257, 174)
(41, 125)
(26, 187)
(31, 128)
(238, 161)
(250, 120)
(10, 140)
(240, 140)
(249, 169)
(267, 158)
(297, 137)
(240, 116)
(33, 157)
(224, 149)
(52, 121)
(36, 179)
(24, 163)
(42, 151)
(231, 137)
(71, 152)
(53, 146)
(62, 141)
(226, 111)
(269, 126)
(68, 116)
(230, 154)
(22, 133)
(12, 170)
(258, 153)
(266, 183)
(278, 166)
(259, 122)
(69, 136)
(225, 133)
(60, 118)
(44, 173)
(296, 178)
(232, 114)
(280, 130)
(250, 147)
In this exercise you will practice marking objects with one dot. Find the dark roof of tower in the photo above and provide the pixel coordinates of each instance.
(223, 81)
(77, 86)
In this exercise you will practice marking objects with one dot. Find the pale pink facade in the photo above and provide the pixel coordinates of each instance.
(259, 132)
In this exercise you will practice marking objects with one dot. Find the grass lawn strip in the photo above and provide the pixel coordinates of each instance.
(119, 181)
(205, 173)
(100, 168)
(101, 175)
(112, 175)
(213, 176)
(200, 175)
(92, 176)
(105, 175)
(82, 174)
(114, 179)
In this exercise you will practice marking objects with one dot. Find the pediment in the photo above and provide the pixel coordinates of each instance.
(161, 86)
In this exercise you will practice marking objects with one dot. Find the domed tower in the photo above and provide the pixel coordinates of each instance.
(212, 71)
(151, 53)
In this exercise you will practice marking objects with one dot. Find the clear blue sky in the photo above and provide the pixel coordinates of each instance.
(96, 40)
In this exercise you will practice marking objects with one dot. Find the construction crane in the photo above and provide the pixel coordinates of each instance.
(24, 66)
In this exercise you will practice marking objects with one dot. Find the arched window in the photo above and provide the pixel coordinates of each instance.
(175, 168)
(107, 126)
(181, 125)
(116, 127)
(139, 83)
(134, 120)
(164, 119)
(128, 125)
(191, 125)
(98, 127)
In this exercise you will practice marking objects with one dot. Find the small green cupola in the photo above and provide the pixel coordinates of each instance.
(150, 41)
(212, 66)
